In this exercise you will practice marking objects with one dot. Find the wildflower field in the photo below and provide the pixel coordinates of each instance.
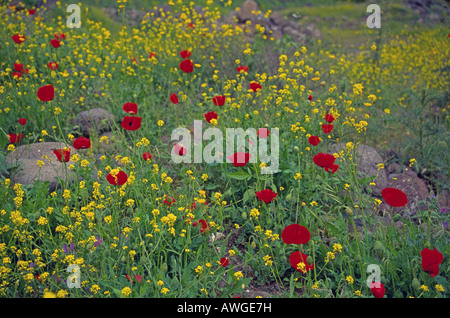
(107, 202)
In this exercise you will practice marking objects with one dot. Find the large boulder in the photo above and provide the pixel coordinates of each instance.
(96, 120)
(25, 169)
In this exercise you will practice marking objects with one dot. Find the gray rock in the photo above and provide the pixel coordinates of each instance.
(26, 171)
(246, 9)
(96, 119)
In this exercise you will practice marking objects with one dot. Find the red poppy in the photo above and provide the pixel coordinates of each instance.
(55, 43)
(82, 143)
(332, 168)
(314, 140)
(22, 121)
(179, 150)
(324, 159)
(138, 278)
(174, 98)
(24, 71)
(219, 100)
(119, 179)
(31, 12)
(16, 75)
(327, 128)
(239, 159)
(266, 195)
(191, 25)
(377, 289)
(61, 36)
(131, 123)
(147, 156)
(53, 65)
(310, 98)
(187, 66)
(15, 138)
(255, 86)
(130, 108)
(224, 262)
(169, 201)
(209, 116)
(204, 224)
(151, 55)
(18, 38)
(59, 153)
(46, 93)
(431, 259)
(394, 197)
(296, 258)
(185, 54)
(329, 118)
(263, 133)
(241, 69)
(295, 234)
(18, 67)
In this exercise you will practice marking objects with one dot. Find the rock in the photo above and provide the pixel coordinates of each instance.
(367, 160)
(246, 9)
(277, 19)
(27, 171)
(111, 146)
(96, 119)
(444, 200)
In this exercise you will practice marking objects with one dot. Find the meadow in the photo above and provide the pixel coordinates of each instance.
(127, 221)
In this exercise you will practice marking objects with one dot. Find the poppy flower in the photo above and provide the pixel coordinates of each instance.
(297, 258)
(332, 168)
(46, 93)
(242, 68)
(191, 25)
(169, 201)
(138, 278)
(147, 156)
(174, 98)
(219, 100)
(131, 123)
(209, 116)
(22, 121)
(53, 66)
(314, 140)
(31, 12)
(24, 71)
(18, 38)
(117, 179)
(239, 159)
(187, 66)
(185, 54)
(179, 150)
(224, 262)
(255, 86)
(327, 128)
(18, 67)
(323, 159)
(60, 36)
(431, 259)
(295, 234)
(377, 289)
(263, 133)
(130, 108)
(266, 195)
(310, 98)
(17, 75)
(55, 43)
(60, 153)
(82, 143)
(329, 118)
(394, 197)
(151, 55)
(204, 224)
(15, 138)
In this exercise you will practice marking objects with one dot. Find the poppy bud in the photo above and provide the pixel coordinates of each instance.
(309, 260)
(379, 247)
(415, 283)
(164, 267)
(288, 197)
(123, 259)
(349, 211)
(323, 83)
(397, 217)
(244, 215)
(296, 149)
(253, 245)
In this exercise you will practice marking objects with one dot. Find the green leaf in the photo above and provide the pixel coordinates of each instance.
(3, 140)
(239, 175)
